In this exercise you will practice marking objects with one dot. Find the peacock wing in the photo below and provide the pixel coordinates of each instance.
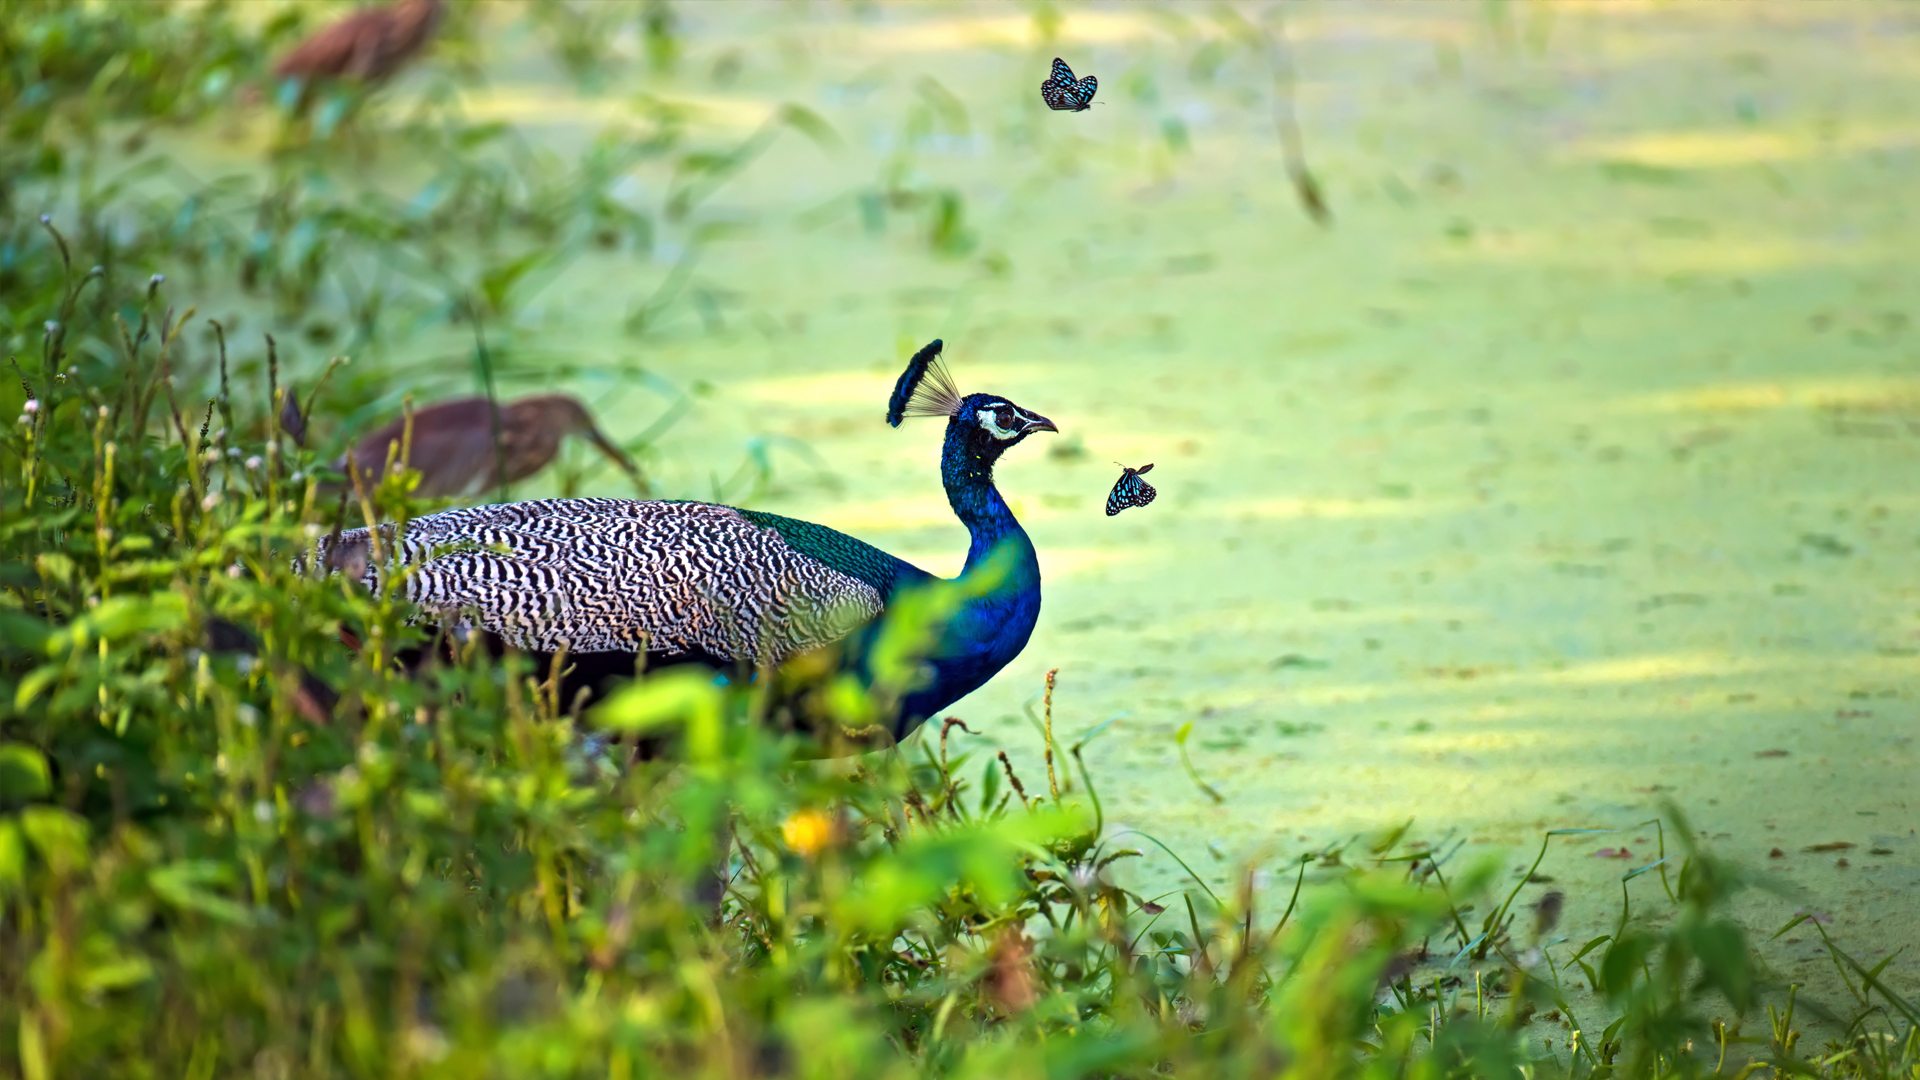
(617, 575)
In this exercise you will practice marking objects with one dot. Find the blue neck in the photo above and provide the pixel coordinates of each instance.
(990, 629)
(968, 477)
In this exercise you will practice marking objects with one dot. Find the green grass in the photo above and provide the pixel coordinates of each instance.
(453, 875)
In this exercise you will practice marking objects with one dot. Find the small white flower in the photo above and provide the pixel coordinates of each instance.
(235, 571)
(53, 326)
(312, 530)
(212, 500)
(248, 715)
(299, 476)
(426, 1043)
(253, 462)
(210, 456)
(103, 412)
(233, 452)
(32, 406)
(263, 812)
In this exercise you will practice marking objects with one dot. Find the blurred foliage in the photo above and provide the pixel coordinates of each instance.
(79, 65)
(231, 846)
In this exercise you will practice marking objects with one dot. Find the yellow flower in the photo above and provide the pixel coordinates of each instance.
(807, 831)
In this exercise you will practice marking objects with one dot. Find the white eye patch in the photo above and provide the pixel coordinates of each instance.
(990, 422)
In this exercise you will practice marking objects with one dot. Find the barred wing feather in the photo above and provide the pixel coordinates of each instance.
(619, 575)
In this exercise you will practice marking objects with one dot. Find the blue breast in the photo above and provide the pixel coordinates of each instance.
(982, 639)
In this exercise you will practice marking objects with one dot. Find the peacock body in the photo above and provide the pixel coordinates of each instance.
(620, 584)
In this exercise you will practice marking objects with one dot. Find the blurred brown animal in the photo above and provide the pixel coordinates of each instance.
(367, 46)
(453, 443)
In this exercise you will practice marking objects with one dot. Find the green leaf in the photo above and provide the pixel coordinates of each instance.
(102, 968)
(58, 836)
(119, 618)
(1638, 870)
(849, 704)
(13, 858)
(985, 858)
(185, 885)
(1872, 978)
(1793, 922)
(1620, 967)
(55, 567)
(498, 281)
(683, 697)
(23, 774)
(1592, 945)
(1593, 977)
(811, 124)
(989, 786)
(1725, 963)
(706, 161)
(35, 681)
(19, 630)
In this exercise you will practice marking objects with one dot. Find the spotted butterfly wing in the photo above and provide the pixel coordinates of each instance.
(1130, 490)
(1061, 91)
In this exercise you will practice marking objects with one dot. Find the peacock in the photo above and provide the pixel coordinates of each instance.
(623, 584)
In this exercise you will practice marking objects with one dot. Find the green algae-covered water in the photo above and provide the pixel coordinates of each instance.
(1568, 469)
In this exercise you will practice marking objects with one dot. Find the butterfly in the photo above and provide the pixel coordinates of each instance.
(1061, 91)
(1130, 490)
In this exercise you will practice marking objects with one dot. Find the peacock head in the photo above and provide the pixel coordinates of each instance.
(985, 424)
(991, 424)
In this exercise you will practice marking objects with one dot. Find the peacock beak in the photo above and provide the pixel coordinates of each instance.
(1036, 422)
